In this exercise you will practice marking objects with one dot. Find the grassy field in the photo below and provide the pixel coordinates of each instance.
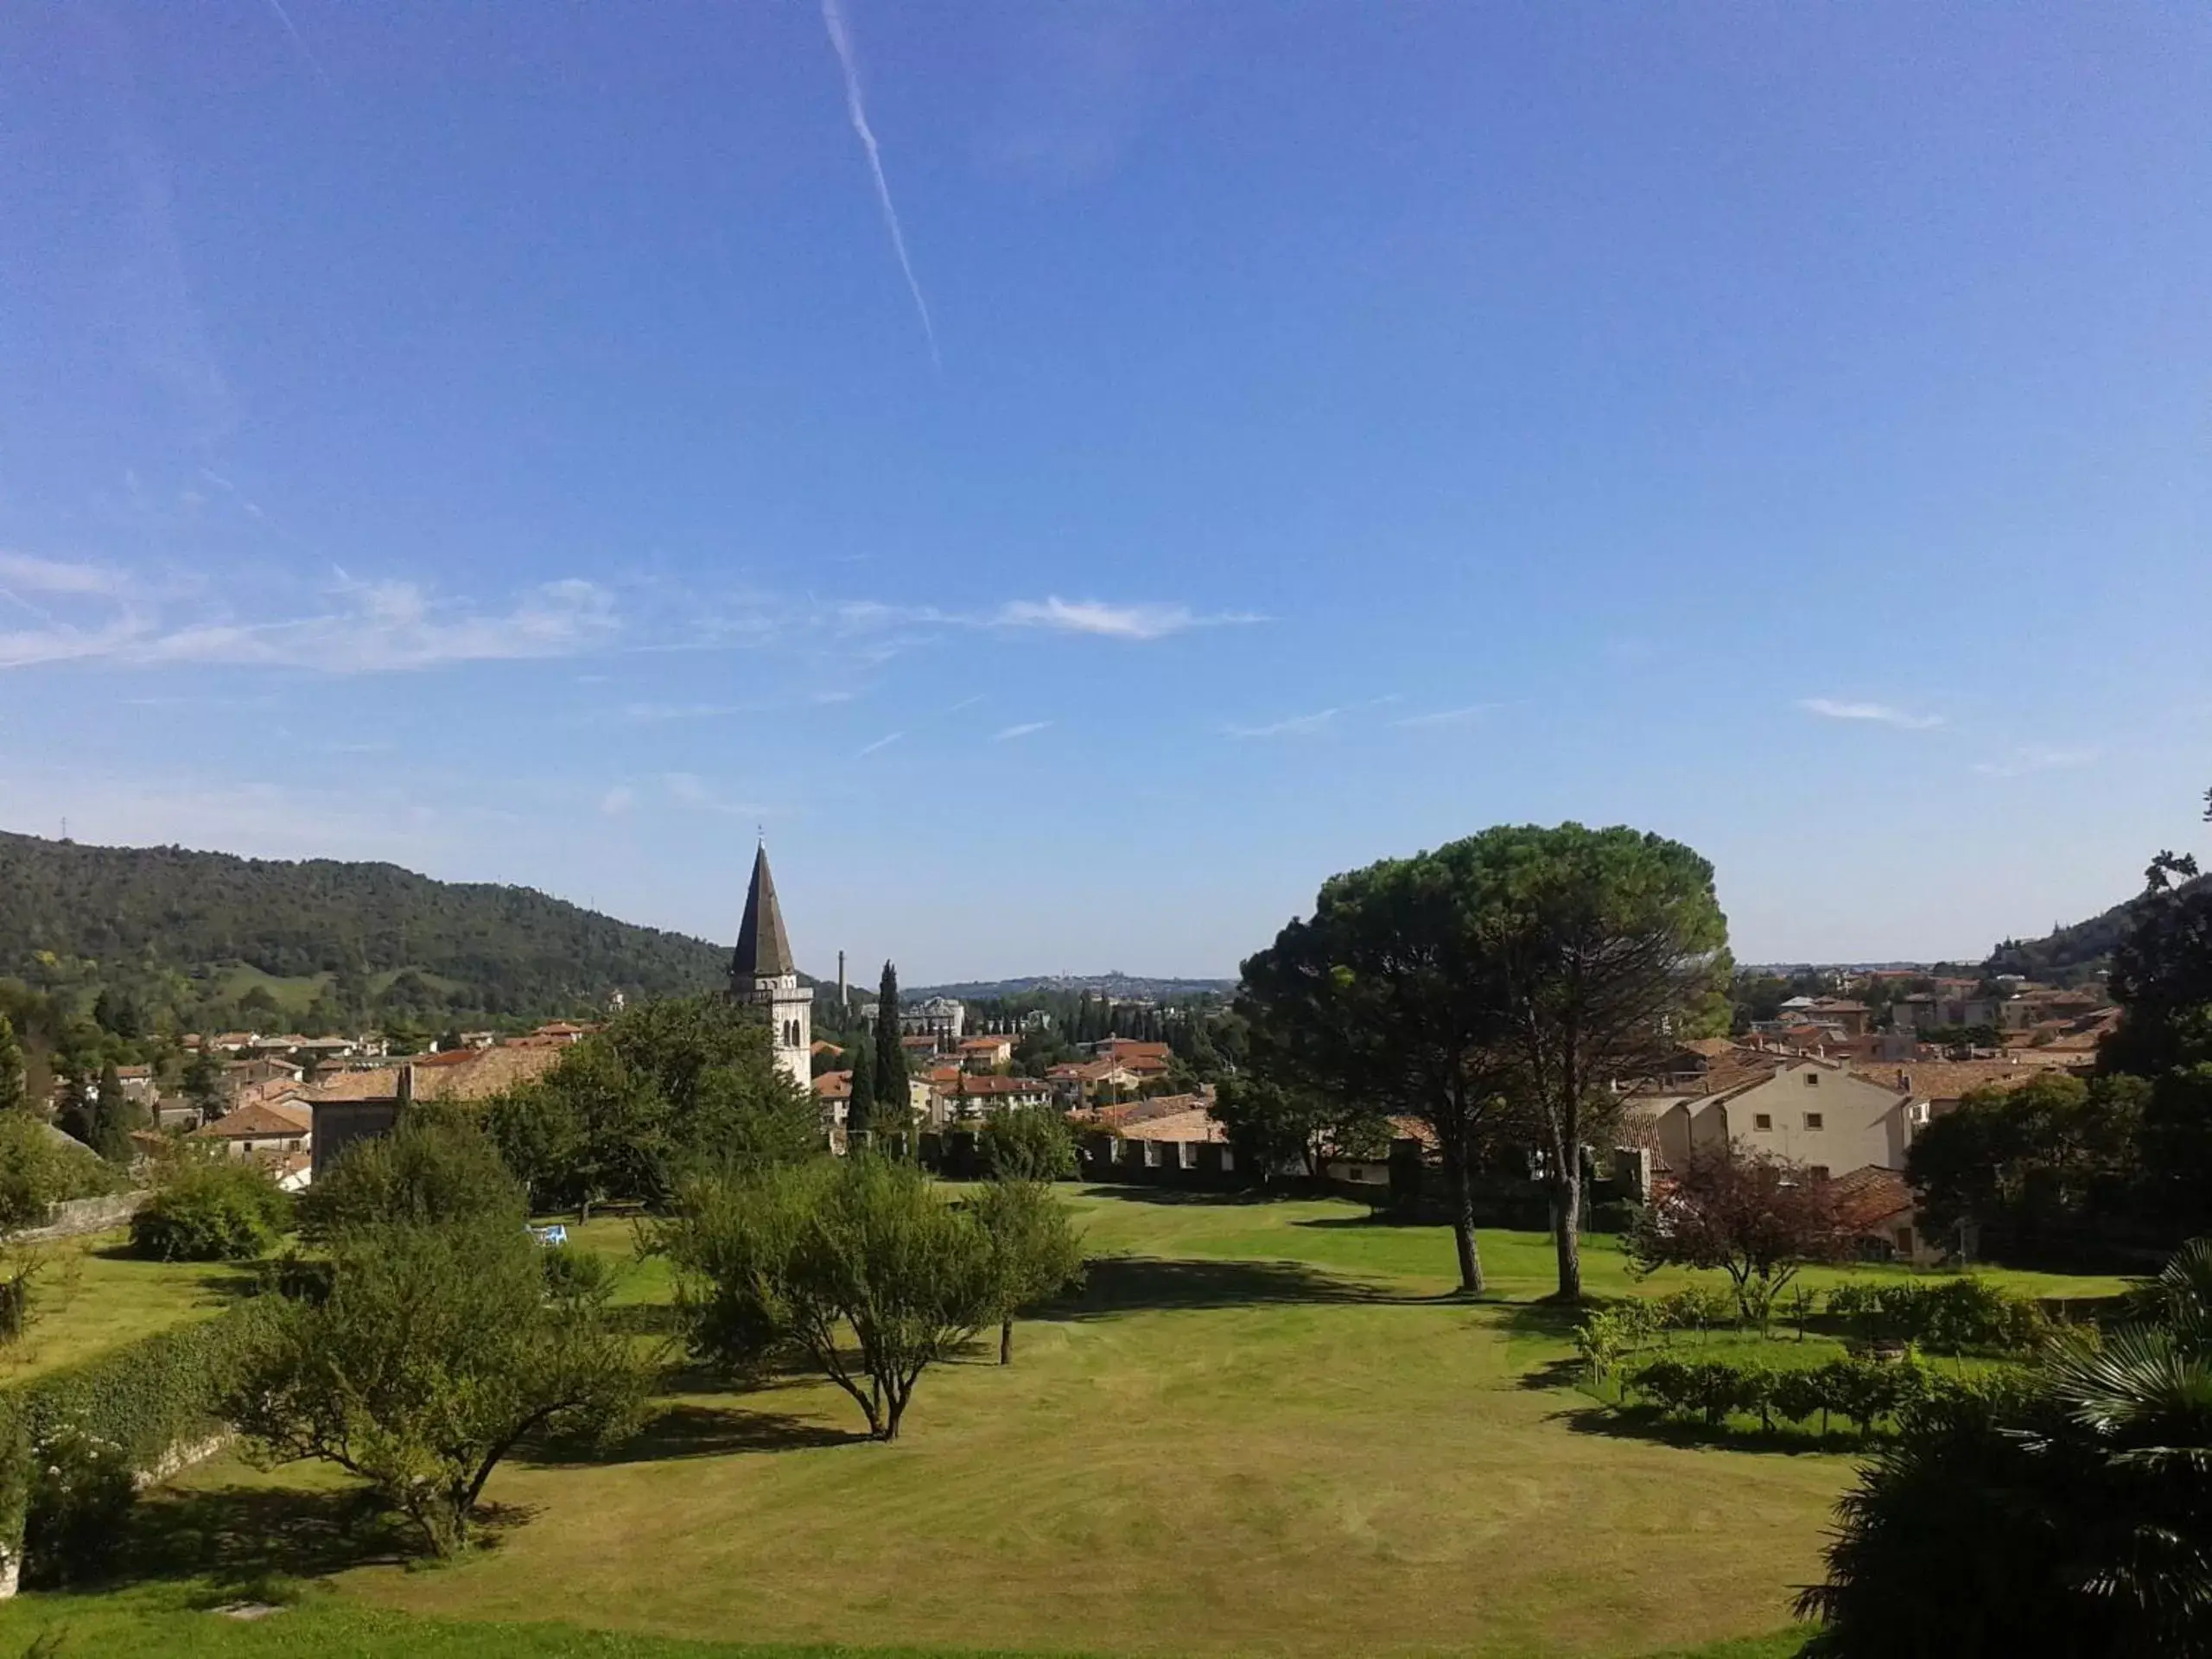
(1264, 1427)
(90, 1296)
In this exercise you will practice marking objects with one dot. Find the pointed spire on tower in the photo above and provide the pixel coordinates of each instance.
(764, 950)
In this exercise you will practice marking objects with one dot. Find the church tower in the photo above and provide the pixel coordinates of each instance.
(761, 972)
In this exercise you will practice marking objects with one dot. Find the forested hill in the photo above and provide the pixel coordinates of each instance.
(2071, 953)
(201, 934)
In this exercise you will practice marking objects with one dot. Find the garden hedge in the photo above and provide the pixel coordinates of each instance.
(129, 1408)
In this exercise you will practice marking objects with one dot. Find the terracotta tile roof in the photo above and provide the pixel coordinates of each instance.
(975, 1087)
(1873, 1196)
(1145, 1112)
(834, 1085)
(464, 1074)
(1713, 1048)
(377, 1083)
(1946, 1079)
(483, 1072)
(823, 1045)
(1197, 1125)
(260, 1120)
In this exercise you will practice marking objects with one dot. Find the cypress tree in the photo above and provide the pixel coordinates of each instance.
(112, 1118)
(861, 1108)
(890, 1054)
(12, 1095)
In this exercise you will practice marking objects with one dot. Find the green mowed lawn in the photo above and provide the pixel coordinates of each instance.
(90, 1295)
(1263, 1426)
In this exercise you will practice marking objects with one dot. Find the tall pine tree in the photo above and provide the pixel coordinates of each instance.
(890, 1054)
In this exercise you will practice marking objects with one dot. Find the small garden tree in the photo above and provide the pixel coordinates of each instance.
(432, 1352)
(857, 1267)
(1035, 1253)
(1027, 1145)
(1756, 1218)
(433, 1168)
(211, 1210)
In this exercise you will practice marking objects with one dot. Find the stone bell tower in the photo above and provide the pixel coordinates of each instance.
(762, 973)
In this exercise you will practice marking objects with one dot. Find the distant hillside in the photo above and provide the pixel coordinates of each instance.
(2071, 953)
(1129, 986)
(206, 934)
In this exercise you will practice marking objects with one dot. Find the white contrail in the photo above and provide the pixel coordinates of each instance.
(833, 19)
(285, 18)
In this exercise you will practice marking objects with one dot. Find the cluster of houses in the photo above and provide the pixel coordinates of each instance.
(955, 1079)
(293, 1103)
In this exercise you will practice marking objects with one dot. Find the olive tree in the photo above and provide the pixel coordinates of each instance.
(431, 1353)
(859, 1268)
(1035, 1252)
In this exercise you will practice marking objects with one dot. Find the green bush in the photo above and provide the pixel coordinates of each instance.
(1698, 1307)
(1945, 1316)
(222, 1210)
(74, 1442)
(80, 1495)
(573, 1272)
(1863, 1391)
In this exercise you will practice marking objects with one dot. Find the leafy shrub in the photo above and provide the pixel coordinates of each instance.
(1609, 1335)
(219, 1210)
(81, 1493)
(575, 1273)
(435, 1168)
(1698, 1307)
(1947, 1316)
(1863, 1391)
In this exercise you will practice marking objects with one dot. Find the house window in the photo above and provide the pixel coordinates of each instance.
(1818, 1172)
(1763, 1120)
(1812, 1079)
(1812, 1120)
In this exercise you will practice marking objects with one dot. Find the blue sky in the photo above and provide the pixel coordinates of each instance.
(506, 440)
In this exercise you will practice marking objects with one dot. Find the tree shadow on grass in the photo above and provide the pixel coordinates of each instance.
(684, 1430)
(1649, 1423)
(1128, 1284)
(1182, 1195)
(235, 1537)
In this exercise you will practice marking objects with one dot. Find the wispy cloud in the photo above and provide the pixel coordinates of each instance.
(841, 40)
(619, 800)
(653, 713)
(2026, 760)
(1879, 714)
(1294, 726)
(23, 573)
(1442, 717)
(1027, 728)
(883, 742)
(1138, 620)
(368, 627)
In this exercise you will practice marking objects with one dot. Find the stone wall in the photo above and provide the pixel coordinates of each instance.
(77, 1216)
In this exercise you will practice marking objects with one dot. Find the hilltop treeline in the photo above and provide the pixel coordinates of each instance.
(163, 933)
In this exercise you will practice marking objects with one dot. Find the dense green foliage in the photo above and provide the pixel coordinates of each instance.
(73, 1439)
(12, 1085)
(211, 1210)
(1027, 1145)
(1036, 1254)
(1863, 1392)
(431, 1353)
(435, 1168)
(155, 927)
(2071, 1513)
(859, 1268)
(667, 1087)
(39, 1168)
(1496, 988)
